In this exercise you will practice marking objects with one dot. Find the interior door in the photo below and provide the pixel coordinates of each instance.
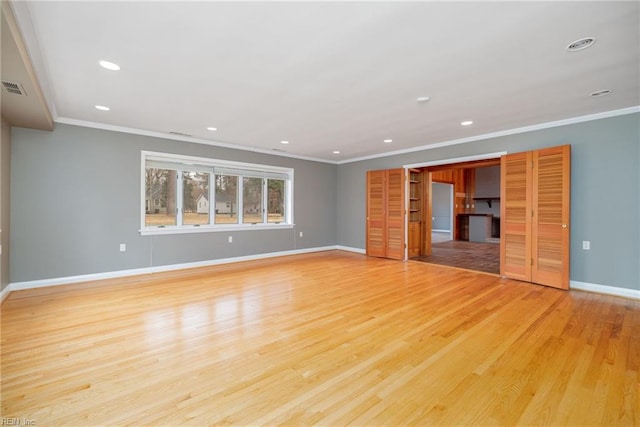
(535, 203)
(550, 223)
(396, 212)
(376, 233)
(516, 212)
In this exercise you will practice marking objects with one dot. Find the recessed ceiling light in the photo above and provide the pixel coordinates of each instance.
(467, 123)
(336, 152)
(580, 44)
(211, 128)
(388, 141)
(422, 99)
(102, 108)
(109, 65)
(284, 142)
(599, 93)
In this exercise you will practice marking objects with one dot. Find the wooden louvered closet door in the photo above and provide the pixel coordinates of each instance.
(376, 212)
(515, 210)
(535, 203)
(396, 213)
(386, 210)
(550, 224)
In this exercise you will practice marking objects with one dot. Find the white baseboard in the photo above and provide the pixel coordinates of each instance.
(441, 231)
(172, 267)
(602, 289)
(350, 249)
(5, 292)
(574, 284)
(32, 284)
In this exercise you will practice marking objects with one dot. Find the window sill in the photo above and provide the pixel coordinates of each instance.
(210, 229)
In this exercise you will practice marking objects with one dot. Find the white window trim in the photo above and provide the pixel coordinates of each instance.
(208, 228)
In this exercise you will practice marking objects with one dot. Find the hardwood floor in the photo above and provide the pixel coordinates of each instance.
(330, 338)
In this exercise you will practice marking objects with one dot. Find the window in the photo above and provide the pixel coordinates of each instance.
(252, 211)
(183, 194)
(275, 200)
(226, 196)
(195, 198)
(160, 197)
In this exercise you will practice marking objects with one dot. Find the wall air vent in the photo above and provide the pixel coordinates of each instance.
(13, 87)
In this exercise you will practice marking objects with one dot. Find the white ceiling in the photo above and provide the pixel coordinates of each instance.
(334, 76)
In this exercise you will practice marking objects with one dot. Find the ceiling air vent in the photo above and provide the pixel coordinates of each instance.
(581, 44)
(13, 87)
(180, 134)
(600, 93)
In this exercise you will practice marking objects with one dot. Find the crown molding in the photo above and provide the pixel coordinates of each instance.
(174, 137)
(557, 123)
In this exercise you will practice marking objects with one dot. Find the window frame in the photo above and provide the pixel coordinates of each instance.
(185, 163)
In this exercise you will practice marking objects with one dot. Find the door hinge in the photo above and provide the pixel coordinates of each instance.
(531, 262)
(531, 213)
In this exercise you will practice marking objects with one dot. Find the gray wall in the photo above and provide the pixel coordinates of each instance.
(76, 197)
(605, 187)
(5, 188)
(488, 185)
(441, 206)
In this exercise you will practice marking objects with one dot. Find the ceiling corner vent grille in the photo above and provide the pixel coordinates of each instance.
(13, 87)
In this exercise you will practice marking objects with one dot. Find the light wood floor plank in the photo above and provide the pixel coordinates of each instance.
(330, 338)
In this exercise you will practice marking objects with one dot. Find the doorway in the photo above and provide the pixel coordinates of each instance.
(442, 198)
(462, 213)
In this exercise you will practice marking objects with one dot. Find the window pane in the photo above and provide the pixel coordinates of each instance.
(195, 198)
(160, 197)
(226, 199)
(252, 200)
(275, 210)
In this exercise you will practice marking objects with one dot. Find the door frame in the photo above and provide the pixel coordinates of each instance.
(442, 162)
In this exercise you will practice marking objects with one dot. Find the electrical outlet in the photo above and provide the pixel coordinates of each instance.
(230, 239)
(586, 245)
(301, 234)
(123, 247)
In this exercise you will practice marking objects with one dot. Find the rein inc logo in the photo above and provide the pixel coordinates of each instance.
(4, 421)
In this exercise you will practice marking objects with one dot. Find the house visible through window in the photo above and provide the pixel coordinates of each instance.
(187, 194)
